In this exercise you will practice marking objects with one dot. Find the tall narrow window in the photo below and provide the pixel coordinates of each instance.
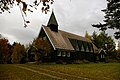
(63, 54)
(68, 54)
(59, 53)
(87, 47)
(74, 44)
(79, 45)
(82, 47)
(102, 56)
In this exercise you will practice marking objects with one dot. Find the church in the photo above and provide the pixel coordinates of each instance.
(66, 46)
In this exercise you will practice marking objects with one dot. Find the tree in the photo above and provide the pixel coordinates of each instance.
(118, 53)
(19, 53)
(6, 5)
(105, 42)
(41, 44)
(112, 18)
(95, 39)
(42, 47)
(118, 50)
(87, 36)
(4, 51)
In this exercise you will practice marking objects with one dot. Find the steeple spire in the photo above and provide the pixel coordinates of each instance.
(52, 23)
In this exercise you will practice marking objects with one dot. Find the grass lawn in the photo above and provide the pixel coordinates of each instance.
(100, 71)
(11, 72)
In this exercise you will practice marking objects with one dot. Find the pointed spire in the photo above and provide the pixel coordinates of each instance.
(52, 20)
(52, 23)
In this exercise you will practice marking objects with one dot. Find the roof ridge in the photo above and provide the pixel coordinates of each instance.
(70, 33)
(75, 35)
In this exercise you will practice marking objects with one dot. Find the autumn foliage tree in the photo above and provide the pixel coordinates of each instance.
(4, 51)
(42, 47)
(18, 53)
(41, 44)
(118, 50)
(118, 53)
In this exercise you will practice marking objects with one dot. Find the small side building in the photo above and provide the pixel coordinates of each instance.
(101, 55)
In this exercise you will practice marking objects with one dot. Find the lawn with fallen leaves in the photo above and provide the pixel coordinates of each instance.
(92, 71)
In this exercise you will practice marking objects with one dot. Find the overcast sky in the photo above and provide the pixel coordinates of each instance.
(75, 16)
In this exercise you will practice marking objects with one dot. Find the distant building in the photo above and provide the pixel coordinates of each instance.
(67, 46)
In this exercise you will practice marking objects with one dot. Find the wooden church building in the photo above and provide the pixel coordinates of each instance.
(66, 46)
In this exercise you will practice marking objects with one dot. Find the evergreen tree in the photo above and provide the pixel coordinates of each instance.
(95, 39)
(112, 17)
(105, 42)
(87, 36)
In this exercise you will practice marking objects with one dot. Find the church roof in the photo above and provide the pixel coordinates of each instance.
(61, 40)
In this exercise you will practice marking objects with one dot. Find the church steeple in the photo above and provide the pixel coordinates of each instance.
(52, 23)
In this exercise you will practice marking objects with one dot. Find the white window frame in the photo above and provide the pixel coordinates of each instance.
(68, 54)
(63, 54)
(87, 49)
(59, 53)
(102, 56)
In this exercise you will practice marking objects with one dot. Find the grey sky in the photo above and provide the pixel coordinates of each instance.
(74, 16)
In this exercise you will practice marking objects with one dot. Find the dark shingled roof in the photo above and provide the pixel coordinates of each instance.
(52, 20)
(60, 40)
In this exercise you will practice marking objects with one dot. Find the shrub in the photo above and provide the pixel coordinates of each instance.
(81, 61)
(86, 61)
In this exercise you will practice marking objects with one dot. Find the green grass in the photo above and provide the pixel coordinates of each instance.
(100, 71)
(10, 72)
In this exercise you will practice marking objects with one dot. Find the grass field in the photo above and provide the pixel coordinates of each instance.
(100, 71)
